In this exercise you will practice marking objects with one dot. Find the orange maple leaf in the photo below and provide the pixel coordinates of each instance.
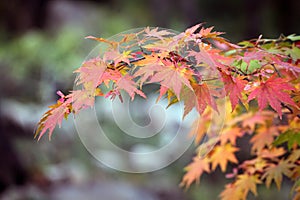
(201, 125)
(231, 134)
(272, 153)
(264, 137)
(231, 192)
(194, 171)
(221, 154)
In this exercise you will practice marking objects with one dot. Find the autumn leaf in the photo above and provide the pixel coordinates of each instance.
(207, 32)
(126, 83)
(81, 99)
(271, 92)
(201, 125)
(251, 119)
(230, 135)
(200, 97)
(234, 88)
(203, 57)
(204, 98)
(112, 43)
(154, 32)
(148, 67)
(91, 71)
(194, 171)
(263, 137)
(51, 119)
(246, 183)
(231, 192)
(276, 171)
(221, 154)
(188, 34)
(272, 153)
(294, 156)
(254, 165)
(115, 57)
(171, 77)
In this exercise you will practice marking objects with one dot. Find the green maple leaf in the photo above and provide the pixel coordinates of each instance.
(290, 136)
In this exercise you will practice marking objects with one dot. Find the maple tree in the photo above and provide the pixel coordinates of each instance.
(259, 80)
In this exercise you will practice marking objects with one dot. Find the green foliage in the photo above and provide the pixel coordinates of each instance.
(291, 137)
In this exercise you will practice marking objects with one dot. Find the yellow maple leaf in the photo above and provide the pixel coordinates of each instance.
(276, 171)
(246, 183)
(221, 154)
(231, 192)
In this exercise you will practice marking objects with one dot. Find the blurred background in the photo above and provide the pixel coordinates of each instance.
(42, 44)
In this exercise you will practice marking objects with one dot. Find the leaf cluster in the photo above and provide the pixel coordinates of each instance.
(259, 79)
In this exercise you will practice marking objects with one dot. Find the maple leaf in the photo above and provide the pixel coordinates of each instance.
(112, 43)
(250, 119)
(271, 92)
(231, 135)
(154, 32)
(264, 137)
(290, 136)
(276, 171)
(171, 77)
(207, 32)
(200, 126)
(149, 66)
(234, 86)
(204, 98)
(246, 183)
(200, 97)
(126, 83)
(81, 99)
(272, 153)
(231, 192)
(255, 165)
(254, 55)
(221, 154)
(91, 71)
(287, 66)
(51, 118)
(203, 56)
(116, 57)
(194, 171)
(188, 34)
(110, 75)
(294, 156)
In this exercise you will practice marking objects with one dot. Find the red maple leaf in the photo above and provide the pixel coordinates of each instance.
(234, 87)
(271, 92)
(204, 98)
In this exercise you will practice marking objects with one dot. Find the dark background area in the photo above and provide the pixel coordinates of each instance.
(42, 43)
